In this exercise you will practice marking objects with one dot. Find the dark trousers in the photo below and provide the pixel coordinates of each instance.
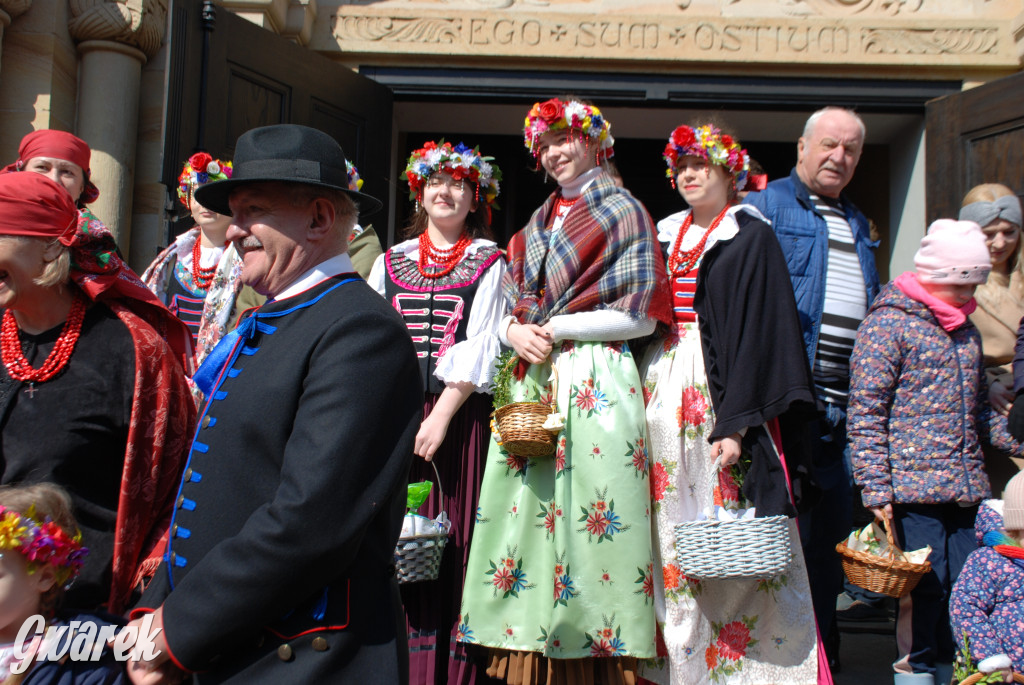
(828, 523)
(923, 634)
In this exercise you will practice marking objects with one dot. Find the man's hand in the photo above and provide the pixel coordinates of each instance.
(157, 669)
(531, 342)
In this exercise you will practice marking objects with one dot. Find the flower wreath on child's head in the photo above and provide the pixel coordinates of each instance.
(461, 163)
(711, 145)
(556, 114)
(200, 169)
(355, 184)
(42, 542)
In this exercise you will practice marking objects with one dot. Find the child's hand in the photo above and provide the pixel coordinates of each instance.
(882, 513)
(1000, 663)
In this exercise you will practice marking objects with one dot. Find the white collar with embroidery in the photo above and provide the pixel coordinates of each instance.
(338, 264)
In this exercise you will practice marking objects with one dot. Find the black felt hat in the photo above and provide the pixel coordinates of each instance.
(285, 152)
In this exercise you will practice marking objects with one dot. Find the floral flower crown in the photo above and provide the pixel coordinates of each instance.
(556, 114)
(200, 169)
(459, 161)
(711, 145)
(355, 183)
(42, 543)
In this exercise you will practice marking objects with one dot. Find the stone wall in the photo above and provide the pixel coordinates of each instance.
(943, 38)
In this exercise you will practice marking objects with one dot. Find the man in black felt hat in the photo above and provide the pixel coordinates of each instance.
(279, 567)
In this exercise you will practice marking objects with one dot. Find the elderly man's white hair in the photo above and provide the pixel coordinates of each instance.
(813, 120)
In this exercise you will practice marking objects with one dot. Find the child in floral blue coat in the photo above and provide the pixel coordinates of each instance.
(987, 606)
(918, 414)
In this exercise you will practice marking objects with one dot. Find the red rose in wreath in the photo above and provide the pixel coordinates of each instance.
(551, 111)
(199, 161)
(683, 136)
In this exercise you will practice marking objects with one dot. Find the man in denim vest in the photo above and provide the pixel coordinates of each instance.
(830, 255)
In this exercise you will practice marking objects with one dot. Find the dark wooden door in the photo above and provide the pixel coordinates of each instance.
(254, 78)
(973, 137)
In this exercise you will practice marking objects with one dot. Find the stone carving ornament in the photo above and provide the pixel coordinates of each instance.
(14, 8)
(931, 42)
(892, 7)
(138, 23)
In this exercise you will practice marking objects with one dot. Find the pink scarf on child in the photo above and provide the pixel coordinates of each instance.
(950, 317)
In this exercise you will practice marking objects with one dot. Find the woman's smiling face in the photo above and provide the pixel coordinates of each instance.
(565, 155)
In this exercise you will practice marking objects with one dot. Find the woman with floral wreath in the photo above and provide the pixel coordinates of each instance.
(559, 581)
(93, 395)
(445, 280)
(199, 276)
(715, 393)
(363, 243)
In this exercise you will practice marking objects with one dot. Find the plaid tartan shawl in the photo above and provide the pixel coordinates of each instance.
(605, 256)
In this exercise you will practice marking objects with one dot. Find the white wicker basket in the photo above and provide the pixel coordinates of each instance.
(418, 557)
(751, 548)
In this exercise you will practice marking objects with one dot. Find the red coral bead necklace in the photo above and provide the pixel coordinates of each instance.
(680, 262)
(443, 259)
(14, 359)
(202, 276)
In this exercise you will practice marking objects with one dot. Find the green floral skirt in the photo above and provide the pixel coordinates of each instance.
(561, 557)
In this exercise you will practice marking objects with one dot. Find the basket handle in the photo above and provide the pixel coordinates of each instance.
(440, 488)
(891, 539)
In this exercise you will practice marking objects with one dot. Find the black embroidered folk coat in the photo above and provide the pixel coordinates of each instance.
(280, 563)
(756, 366)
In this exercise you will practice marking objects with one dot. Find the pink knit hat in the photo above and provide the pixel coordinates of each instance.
(1013, 503)
(953, 252)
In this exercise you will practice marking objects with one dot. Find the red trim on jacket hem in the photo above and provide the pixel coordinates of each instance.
(320, 629)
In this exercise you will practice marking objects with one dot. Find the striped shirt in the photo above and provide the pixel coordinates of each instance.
(845, 305)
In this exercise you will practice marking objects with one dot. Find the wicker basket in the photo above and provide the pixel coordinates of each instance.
(521, 424)
(716, 550)
(972, 679)
(418, 557)
(885, 575)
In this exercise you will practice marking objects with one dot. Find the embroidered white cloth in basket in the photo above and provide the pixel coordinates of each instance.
(871, 540)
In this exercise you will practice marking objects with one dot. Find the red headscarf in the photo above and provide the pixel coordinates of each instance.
(33, 205)
(59, 145)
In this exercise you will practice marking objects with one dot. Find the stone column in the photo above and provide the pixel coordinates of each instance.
(115, 38)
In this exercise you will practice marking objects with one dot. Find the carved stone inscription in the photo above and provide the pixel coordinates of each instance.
(847, 41)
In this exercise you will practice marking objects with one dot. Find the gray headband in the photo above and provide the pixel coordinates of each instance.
(983, 213)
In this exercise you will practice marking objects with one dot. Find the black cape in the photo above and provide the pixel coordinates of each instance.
(756, 364)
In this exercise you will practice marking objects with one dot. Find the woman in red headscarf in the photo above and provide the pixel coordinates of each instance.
(93, 394)
(61, 157)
